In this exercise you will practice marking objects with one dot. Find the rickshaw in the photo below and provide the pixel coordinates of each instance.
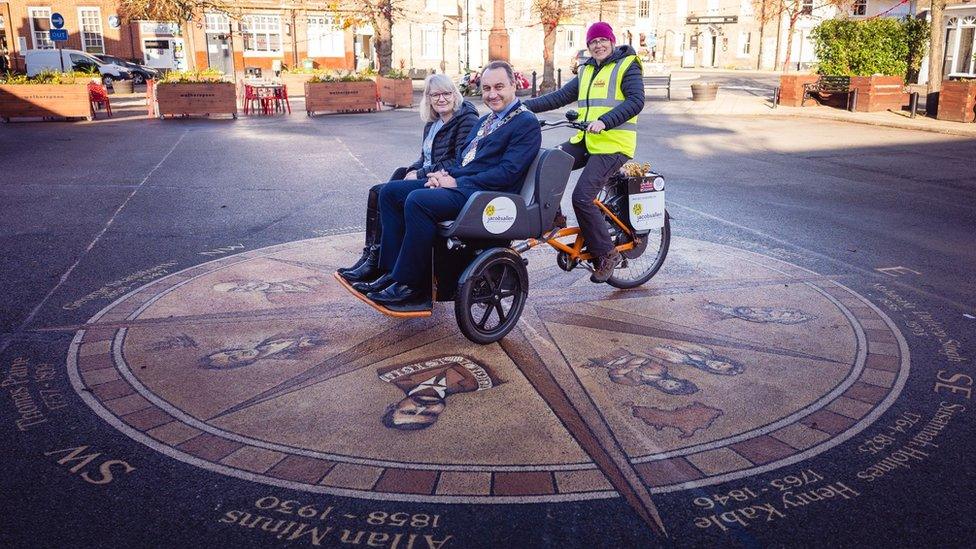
(477, 258)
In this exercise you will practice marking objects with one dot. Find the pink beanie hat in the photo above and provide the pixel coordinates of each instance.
(600, 29)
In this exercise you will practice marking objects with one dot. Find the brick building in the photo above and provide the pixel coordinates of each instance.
(257, 34)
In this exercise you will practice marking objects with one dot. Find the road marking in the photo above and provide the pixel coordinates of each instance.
(91, 245)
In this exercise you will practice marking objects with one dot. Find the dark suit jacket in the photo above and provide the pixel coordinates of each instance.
(502, 157)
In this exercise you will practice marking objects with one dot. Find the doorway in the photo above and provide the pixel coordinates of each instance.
(220, 53)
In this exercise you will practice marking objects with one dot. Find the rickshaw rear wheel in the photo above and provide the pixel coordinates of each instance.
(491, 295)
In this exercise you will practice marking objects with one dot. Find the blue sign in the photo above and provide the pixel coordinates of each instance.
(58, 35)
(57, 20)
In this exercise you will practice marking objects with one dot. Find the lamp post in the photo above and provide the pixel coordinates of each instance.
(467, 34)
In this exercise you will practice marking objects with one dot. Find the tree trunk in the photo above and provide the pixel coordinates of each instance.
(936, 56)
(548, 47)
(789, 41)
(383, 38)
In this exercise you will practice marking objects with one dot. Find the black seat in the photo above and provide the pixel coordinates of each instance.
(528, 214)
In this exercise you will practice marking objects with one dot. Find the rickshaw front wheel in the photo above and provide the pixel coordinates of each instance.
(491, 294)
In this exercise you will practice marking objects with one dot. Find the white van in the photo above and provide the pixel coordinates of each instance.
(42, 60)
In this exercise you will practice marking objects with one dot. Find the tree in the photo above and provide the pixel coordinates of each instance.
(793, 10)
(936, 52)
(550, 13)
(378, 13)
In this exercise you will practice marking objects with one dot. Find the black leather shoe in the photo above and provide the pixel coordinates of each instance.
(376, 285)
(396, 293)
(357, 264)
(369, 270)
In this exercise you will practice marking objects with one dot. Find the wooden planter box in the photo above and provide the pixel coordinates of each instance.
(295, 83)
(340, 97)
(879, 93)
(202, 98)
(397, 92)
(791, 88)
(957, 101)
(44, 100)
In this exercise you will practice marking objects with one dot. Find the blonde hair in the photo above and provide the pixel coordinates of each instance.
(437, 82)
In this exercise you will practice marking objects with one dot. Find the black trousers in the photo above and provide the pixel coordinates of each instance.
(597, 168)
(374, 227)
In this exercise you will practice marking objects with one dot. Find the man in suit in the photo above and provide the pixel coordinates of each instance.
(497, 155)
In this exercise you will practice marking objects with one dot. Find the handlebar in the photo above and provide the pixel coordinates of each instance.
(563, 123)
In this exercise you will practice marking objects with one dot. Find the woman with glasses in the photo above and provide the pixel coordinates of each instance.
(449, 119)
(609, 93)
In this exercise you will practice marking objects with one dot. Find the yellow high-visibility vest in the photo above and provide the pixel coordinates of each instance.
(599, 93)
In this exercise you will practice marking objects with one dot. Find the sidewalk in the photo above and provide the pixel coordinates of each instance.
(729, 104)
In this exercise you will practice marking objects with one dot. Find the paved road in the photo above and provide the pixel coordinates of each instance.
(92, 211)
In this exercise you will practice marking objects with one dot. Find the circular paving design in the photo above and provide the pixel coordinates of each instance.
(262, 367)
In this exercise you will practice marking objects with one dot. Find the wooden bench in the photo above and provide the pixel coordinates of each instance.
(658, 83)
(829, 85)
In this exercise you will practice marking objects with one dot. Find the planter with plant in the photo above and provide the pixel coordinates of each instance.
(49, 94)
(791, 88)
(340, 92)
(877, 54)
(395, 88)
(957, 101)
(294, 79)
(201, 92)
(704, 91)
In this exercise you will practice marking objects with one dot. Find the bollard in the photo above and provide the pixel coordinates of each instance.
(853, 106)
(534, 93)
(776, 97)
(559, 78)
(913, 103)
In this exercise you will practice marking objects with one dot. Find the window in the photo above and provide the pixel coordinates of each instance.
(430, 43)
(325, 38)
(807, 7)
(745, 43)
(262, 34)
(91, 30)
(860, 7)
(82, 63)
(643, 9)
(40, 20)
(217, 23)
(959, 46)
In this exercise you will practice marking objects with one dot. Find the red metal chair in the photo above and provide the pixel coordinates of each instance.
(98, 97)
(250, 97)
(281, 99)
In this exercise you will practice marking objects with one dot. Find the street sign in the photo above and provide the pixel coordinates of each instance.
(58, 35)
(57, 20)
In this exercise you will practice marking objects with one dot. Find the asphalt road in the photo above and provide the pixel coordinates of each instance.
(91, 211)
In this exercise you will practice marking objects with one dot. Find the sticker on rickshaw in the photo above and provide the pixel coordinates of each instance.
(499, 215)
(647, 204)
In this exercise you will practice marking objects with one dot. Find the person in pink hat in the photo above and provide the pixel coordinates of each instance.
(609, 92)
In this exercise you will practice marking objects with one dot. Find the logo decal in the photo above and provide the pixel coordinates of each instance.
(499, 215)
(638, 209)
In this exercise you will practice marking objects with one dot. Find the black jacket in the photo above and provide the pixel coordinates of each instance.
(632, 86)
(451, 139)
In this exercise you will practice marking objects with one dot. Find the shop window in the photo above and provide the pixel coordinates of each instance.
(92, 40)
(325, 38)
(745, 43)
(430, 43)
(217, 23)
(40, 21)
(262, 34)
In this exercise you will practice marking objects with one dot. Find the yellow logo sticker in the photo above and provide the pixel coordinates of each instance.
(490, 210)
(638, 209)
(599, 83)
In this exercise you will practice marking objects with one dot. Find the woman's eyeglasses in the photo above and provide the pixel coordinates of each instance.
(440, 95)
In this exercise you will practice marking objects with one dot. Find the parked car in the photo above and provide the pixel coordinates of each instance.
(578, 59)
(73, 60)
(140, 73)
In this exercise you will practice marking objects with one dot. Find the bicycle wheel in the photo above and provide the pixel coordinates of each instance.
(491, 297)
(643, 262)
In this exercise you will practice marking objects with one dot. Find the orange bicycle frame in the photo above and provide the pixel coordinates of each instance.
(575, 252)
